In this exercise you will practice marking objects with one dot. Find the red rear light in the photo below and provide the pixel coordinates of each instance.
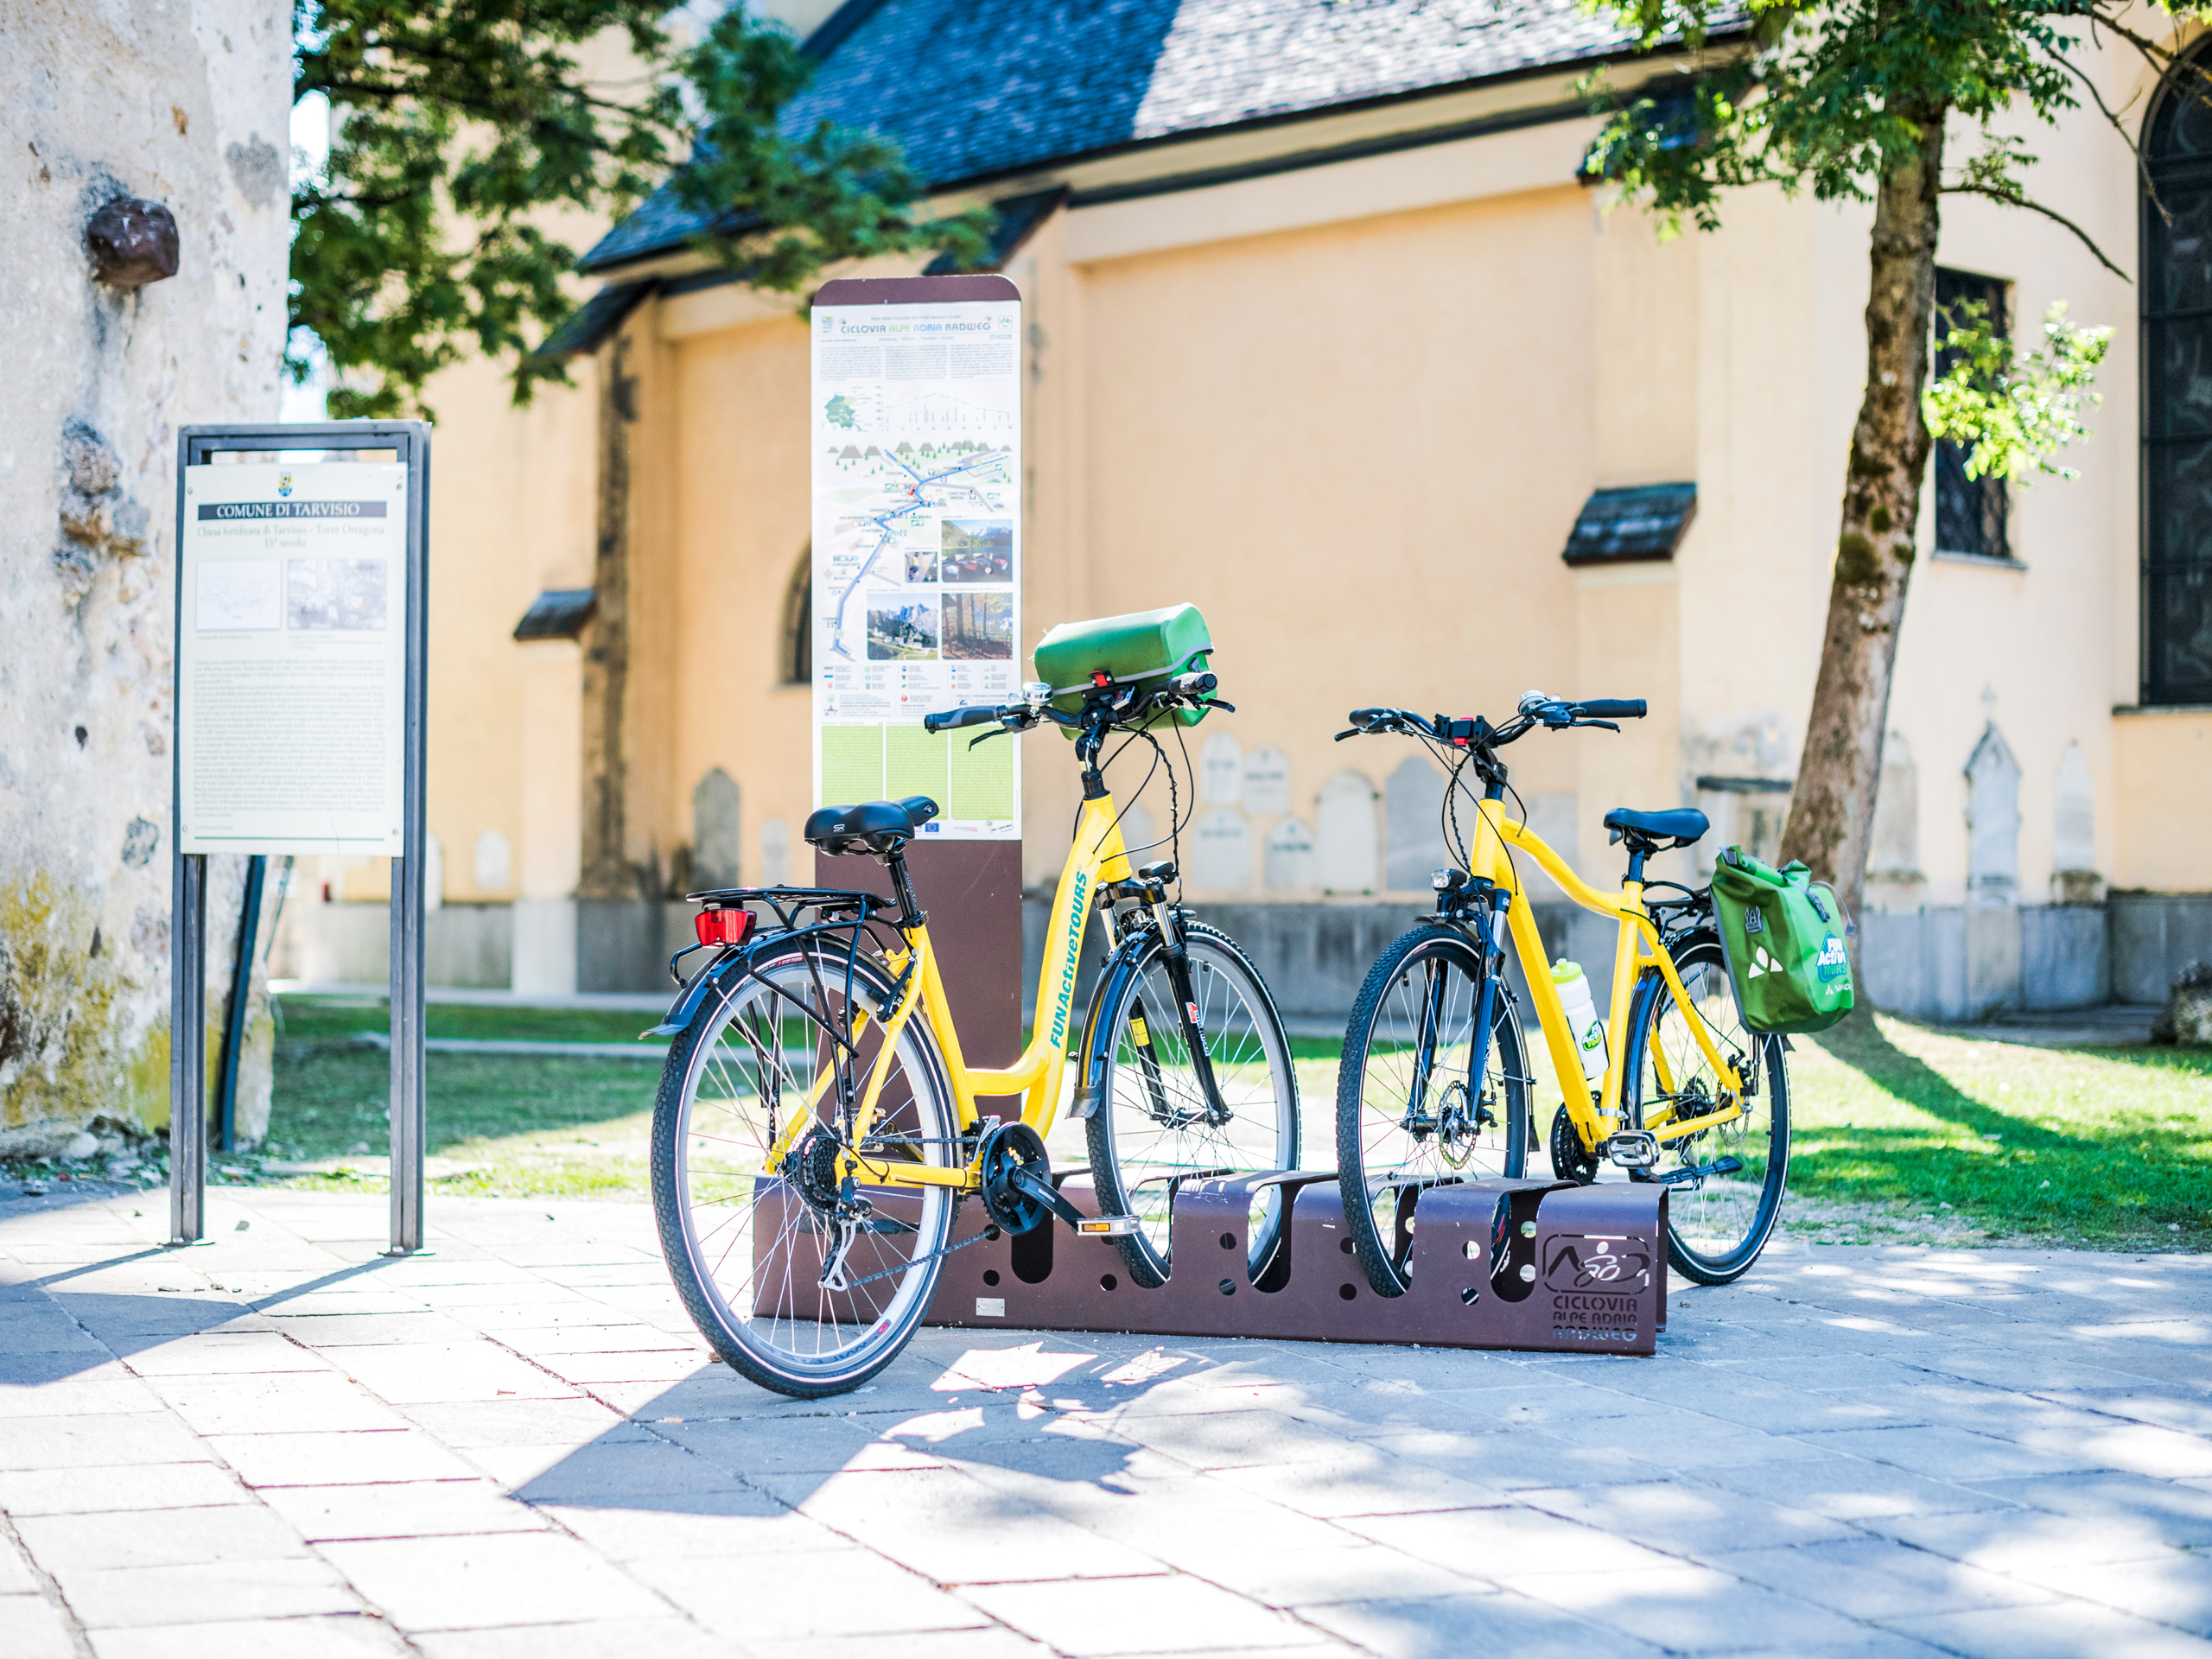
(723, 926)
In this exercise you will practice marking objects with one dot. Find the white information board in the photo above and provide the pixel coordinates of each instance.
(292, 658)
(917, 439)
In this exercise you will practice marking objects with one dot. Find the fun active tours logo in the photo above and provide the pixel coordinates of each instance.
(1063, 1004)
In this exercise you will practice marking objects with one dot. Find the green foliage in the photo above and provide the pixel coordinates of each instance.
(1829, 97)
(2015, 411)
(463, 130)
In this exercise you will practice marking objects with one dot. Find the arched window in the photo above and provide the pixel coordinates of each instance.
(2177, 298)
(799, 622)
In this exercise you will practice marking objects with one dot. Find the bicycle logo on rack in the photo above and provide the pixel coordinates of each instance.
(1579, 1263)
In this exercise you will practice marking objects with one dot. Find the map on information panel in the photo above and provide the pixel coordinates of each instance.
(917, 598)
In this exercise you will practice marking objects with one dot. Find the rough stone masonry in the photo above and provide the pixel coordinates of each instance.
(144, 166)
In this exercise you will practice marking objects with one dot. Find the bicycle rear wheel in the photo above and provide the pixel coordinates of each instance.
(802, 1285)
(1727, 1181)
(1409, 1114)
(1155, 1126)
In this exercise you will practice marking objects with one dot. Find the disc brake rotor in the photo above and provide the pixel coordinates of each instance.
(1455, 1125)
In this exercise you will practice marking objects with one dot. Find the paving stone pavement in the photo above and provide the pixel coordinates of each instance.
(282, 1443)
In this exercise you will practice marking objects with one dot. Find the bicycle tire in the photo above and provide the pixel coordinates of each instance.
(1371, 1079)
(751, 1281)
(1250, 1056)
(1718, 1224)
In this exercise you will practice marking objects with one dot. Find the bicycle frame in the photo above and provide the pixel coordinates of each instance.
(1637, 948)
(1097, 856)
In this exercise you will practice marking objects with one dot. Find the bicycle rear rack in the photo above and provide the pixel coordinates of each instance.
(1584, 1270)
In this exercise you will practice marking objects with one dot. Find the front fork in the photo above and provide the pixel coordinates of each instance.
(1490, 920)
(1481, 903)
(1177, 952)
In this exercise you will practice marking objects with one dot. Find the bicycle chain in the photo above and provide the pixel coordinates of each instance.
(934, 1255)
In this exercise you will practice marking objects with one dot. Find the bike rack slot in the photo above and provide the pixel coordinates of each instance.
(1597, 1259)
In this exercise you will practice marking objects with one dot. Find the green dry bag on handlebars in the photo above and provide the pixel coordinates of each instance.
(1783, 936)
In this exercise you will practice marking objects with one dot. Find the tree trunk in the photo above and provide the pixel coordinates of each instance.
(606, 871)
(1832, 812)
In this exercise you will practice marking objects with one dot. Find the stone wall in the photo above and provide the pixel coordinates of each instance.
(183, 107)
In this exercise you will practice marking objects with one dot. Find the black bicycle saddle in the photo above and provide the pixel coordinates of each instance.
(870, 827)
(1678, 826)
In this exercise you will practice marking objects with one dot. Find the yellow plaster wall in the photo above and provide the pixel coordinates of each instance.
(2163, 772)
(738, 496)
(1357, 449)
(2044, 652)
(512, 505)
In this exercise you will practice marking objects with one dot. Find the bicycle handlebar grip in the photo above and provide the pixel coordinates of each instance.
(1612, 708)
(1367, 719)
(1191, 686)
(951, 719)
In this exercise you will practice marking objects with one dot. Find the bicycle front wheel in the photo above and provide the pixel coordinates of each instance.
(1410, 1113)
(1728, 1180)
(804, 1285)
(1157, 1122)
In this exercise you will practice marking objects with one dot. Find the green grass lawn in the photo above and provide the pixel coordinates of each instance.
(1902, 1132)
(499, 1123)
(1905, 1129)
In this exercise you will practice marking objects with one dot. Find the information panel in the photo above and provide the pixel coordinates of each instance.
(292, 658)
(916, 440)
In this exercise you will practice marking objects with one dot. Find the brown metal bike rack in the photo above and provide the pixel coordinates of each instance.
(1589, 1276)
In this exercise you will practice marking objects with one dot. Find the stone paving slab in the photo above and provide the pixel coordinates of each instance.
(282, 1443)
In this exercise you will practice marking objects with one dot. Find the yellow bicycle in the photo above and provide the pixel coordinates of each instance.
(817, 1125)
(1434, 1084)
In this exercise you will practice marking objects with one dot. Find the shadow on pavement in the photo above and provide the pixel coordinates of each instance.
(714, 1443)
(49, 1333)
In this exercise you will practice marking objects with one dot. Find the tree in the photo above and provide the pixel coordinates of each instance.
(462, 128)
(1852, 100)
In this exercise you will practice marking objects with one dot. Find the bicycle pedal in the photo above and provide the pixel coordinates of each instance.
(1108, 1226)
(1633, 1148)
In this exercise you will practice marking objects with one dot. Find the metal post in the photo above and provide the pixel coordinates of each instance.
(187, 1048)
(227, 1095)
(409, 1102)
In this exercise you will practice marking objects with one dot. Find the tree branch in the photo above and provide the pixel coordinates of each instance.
(2111, 120)
(2014, 199)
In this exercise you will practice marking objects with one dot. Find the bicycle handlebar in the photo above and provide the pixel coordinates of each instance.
(1536, 709)
(1021, 716)
(951, 719)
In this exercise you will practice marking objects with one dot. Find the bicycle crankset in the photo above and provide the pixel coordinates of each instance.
(1018, 1190)
(1571, 1160)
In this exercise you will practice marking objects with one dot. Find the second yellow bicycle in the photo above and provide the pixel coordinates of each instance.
(1435, 1084)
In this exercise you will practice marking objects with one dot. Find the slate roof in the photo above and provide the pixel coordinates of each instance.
(977, 89)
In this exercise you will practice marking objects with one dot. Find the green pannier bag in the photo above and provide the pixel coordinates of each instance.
(1783, 936)
(1134, 649)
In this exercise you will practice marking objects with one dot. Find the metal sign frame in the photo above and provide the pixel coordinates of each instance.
(410, 441)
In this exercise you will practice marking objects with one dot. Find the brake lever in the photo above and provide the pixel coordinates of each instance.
(1603, 725)
(1355, 732)
(996, 731)
(1226, 708)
